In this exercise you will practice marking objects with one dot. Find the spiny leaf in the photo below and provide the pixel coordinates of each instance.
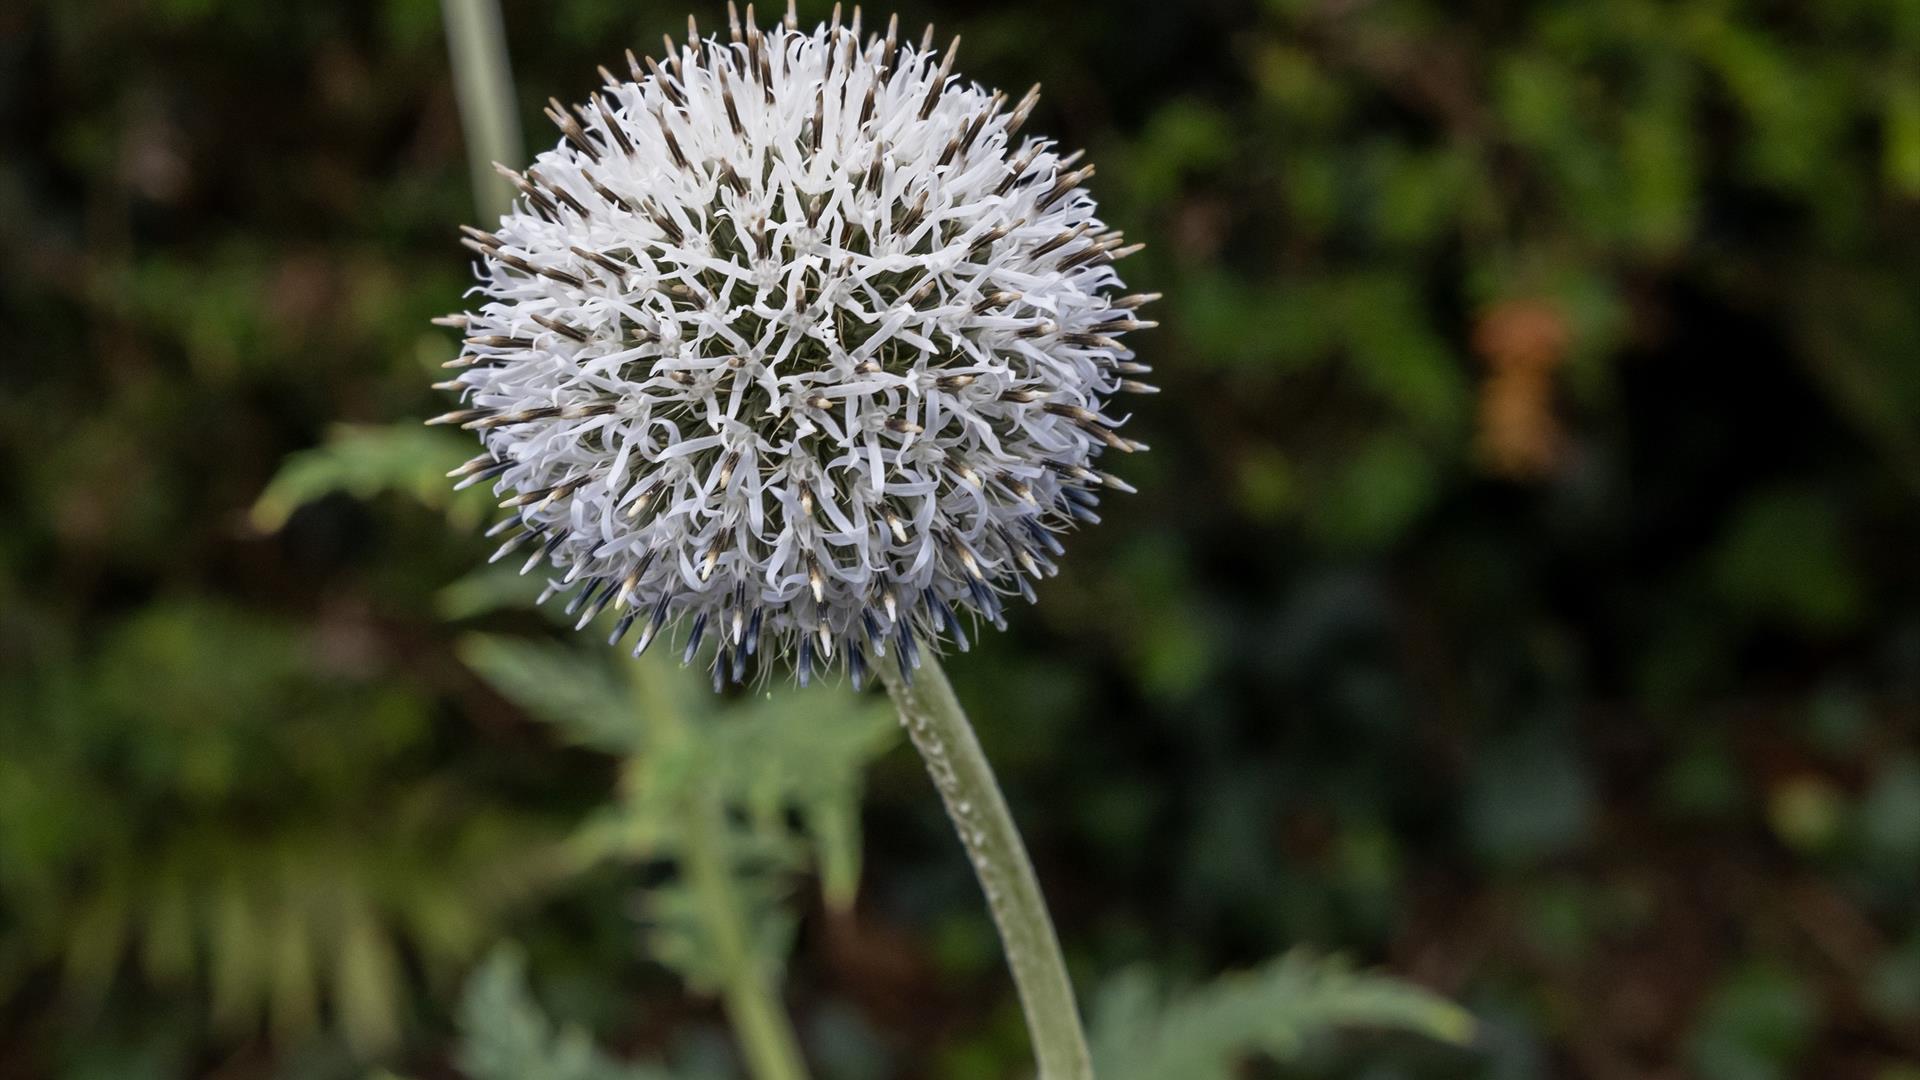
(578, 693)
(506, 1036)
(680, 932)
(1272, 1011)
(801, 753)
(807, 753)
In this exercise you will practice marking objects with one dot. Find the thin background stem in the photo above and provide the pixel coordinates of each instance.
(483, 84)
(759, 1018)
(754, 1009)
(939, 729)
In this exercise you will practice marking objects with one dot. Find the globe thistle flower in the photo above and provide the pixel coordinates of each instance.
(793, 339)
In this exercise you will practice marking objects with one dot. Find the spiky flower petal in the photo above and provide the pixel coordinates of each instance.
(796, 341)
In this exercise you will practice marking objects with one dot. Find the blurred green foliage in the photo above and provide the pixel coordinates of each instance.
(1519, 595)
(217, 799)
(370, 460)
(508, 1037)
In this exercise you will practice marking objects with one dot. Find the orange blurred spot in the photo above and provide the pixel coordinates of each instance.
(1523, 343)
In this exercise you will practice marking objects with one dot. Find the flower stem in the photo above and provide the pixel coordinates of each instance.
(940, 732)
(758, 1019)
(483, 84)
(754, 1010)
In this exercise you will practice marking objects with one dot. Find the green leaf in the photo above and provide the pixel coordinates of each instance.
(368, 461)
(763, 785)
(1756, 1026)
(1392, 347)
(805, 752)
(497, 587)
(580, 695)
(211, 797)
(506, 1036)
(1375, 494)
(1787, 557)
(367, 984)
(1273, 1011)
(1903, 137)
(681, 932)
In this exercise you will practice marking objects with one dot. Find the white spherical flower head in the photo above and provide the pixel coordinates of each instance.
(793, 340)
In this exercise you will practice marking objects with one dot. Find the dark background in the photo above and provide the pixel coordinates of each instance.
(1521, 594)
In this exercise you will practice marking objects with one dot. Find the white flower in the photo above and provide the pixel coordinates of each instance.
(795, 339)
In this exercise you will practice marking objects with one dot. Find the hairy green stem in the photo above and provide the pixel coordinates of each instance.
(754, 1010)
(759, 1021)
(939, 729)
(483, 84)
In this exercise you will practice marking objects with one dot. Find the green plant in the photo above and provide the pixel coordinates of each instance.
(504, 1035)
(737, 798)
(1143, 1033)
(212, 797)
